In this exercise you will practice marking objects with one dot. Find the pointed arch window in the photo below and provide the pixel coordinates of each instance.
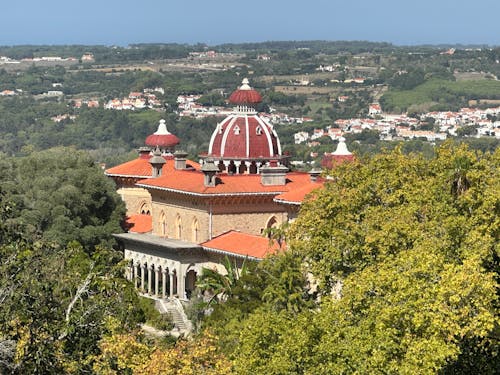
(178, 226)
(163, 224)
(145, 209)
(236, 130)
(258, 130)
(195, 230)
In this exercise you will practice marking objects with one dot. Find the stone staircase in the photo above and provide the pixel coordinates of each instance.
(182, 325)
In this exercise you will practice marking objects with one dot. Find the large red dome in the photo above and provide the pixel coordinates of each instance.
(245, 95)
(162, 137)
(244, 137)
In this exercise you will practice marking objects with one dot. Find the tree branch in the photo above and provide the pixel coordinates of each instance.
(81, 289)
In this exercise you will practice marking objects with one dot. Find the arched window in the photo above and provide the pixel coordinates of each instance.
(221, 166)
(242, 168)
(195, 229)
(163, 224)
(258, 130)
(178, 226)
(272, 222)
(236, 130)
(145, 209)
(231, 168)
(253, 168)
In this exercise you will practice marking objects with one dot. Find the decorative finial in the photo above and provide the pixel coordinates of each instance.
(342, 148)
(245, 84)
(162, 128)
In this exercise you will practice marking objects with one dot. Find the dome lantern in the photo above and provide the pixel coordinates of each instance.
(162, 138)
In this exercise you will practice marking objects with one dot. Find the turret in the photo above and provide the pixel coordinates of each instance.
(157, 162)
(209, 170)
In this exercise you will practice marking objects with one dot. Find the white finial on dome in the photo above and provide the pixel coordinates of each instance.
(162, 128)
(342, 148)
(245, 84)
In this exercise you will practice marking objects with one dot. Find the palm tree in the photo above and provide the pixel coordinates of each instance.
(221, 286)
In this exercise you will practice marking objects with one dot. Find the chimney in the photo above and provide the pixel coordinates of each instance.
(144, 152)
(180, 159)
(273, 174)
(314, 174)
(156, 162)
(209, 170)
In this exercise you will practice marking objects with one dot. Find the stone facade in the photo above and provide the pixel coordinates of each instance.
(198, 219)
(137, 200)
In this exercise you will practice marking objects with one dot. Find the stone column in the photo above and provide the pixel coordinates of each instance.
(164, 282)
(129, 272)
(157, 279)
(237, 165)
(181, 285)
(150, 277)
(135, 276)
(171, 286)
(143, 274)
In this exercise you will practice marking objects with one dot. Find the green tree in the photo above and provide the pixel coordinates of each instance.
(61, 195)
(55, 303)
(405, 254)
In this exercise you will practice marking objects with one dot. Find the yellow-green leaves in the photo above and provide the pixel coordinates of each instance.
(406, 254)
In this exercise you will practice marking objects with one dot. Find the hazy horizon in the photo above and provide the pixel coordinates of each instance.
(58, 22)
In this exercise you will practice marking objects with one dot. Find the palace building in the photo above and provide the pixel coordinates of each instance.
(184, 215)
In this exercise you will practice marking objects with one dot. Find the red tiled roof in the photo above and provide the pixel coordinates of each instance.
(298, 195)
(139, 223)
(192, 182)
(140, 168)
(242, 244)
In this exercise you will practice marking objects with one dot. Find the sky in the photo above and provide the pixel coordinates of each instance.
(123, 22)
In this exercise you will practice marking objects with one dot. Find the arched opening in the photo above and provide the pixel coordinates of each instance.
(236, 130)
(221, 166)
(190, 282)
(242, 168)
(271, 223)
(231, 168)
(258, 130)
(253, 168)
(174, 287)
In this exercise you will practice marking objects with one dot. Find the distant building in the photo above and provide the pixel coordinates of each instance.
(374, 109)
(88, 57)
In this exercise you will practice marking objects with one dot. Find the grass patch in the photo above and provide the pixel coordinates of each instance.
(436, 91)
(318, 105)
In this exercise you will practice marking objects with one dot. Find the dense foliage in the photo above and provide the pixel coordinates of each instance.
(55, 304)
(60, 195)
(392, 268)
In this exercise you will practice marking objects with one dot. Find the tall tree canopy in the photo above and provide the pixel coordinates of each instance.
(60, 195)
(405, 253)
